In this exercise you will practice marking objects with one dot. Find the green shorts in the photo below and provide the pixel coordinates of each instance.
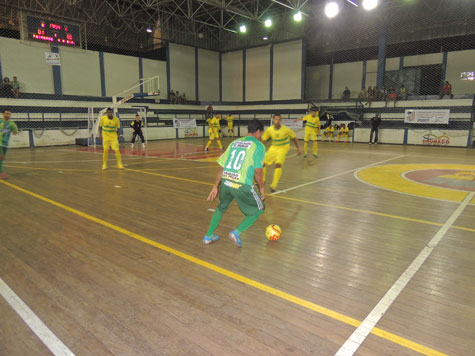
(248, 199)
(3, 150)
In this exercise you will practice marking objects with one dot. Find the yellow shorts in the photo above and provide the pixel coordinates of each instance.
(230, 127)
(276, 154)
(310, 134)
(213, 135)
(110, 143)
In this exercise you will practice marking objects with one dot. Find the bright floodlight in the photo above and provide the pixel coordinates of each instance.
(332, 9)
(370, 4)
(149, 30)
(243, 29)
(298, 16)
(265, 38)
(268, 23)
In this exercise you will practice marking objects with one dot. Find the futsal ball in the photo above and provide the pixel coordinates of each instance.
(273, 232)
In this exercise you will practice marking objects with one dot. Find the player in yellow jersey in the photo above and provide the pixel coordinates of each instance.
(329, 132)
(343, 133)
(312, 128)
(109, 127)
(280, 136)
(214, 126)
(230, 120)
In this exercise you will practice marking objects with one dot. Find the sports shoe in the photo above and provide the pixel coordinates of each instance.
(236, 238)
(206, 149)
(305, 156)
(315, 156)
(272, 189)
(104, 167)
(370, 143)
(210, 239)
(132, 145)
(3, 175)
(120, 166)
(375, 143)
(143, 145)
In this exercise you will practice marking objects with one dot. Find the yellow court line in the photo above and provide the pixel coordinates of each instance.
(427, 222)
(53, 169)
(178, 169)
(263, 287)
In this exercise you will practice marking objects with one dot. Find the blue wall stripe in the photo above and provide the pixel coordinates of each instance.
(304, 62)
(1, 73)
(382, 56)
(244, 75)
(103, 73)
(444, 68)
(220, 76)
(271, 69)
(406, 131)
(58, 90)
(141, 73)
(363, 80)
(169, 85)
(197, 83)
(401, 62)
(330, 83)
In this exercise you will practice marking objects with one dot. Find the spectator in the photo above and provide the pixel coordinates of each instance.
(172, 97)
(6, 90)
(184, 98)
(370, 95)
(447, 90)
(177, 97)
(346, 94)
(16, 87)
(403, 93)
(375, 123)
(362, 94)
(392, 96)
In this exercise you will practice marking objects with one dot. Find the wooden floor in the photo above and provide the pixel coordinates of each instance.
(113, 262)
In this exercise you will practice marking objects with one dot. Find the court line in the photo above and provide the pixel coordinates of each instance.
(46, 336)
(364, 329)
(421, 221)
(53, 169)
(263, 287)
(356, 176)
(334, 176)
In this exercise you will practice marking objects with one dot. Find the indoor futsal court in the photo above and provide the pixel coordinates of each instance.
(237, 177)
(113, 262)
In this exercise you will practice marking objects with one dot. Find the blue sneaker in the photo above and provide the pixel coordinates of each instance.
(236, 238)
(207, 239)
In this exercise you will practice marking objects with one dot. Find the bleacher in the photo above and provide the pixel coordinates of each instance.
(40, 112)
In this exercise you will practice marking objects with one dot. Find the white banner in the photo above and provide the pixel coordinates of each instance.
(427, 116)
(53, 59)
(293, 123)
(184, 123)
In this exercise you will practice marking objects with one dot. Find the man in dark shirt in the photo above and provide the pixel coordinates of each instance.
(346, 94)
(375, 122)
(137, 125)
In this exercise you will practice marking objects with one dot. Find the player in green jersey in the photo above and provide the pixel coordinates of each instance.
(240, 164)
(7, 127)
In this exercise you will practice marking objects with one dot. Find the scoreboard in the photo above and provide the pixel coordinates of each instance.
(54, 32)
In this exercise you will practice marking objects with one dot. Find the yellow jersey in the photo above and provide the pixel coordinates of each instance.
(230, 119)
(214, 124)
(279, 137)
(109, 127)
(312, 122)
(330, 129)
(344, 131)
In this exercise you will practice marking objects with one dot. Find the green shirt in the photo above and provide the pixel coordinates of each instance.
(6, 129)
(241, 158)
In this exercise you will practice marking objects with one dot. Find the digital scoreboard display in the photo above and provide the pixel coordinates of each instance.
(54, 32)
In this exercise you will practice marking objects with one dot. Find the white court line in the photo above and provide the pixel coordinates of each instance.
(335, 175)
(50, 340)
(362, 332)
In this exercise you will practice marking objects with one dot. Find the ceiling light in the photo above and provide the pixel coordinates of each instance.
(332, 9)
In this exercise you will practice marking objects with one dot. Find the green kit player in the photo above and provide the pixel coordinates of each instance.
(7, 127)
(240, 164)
